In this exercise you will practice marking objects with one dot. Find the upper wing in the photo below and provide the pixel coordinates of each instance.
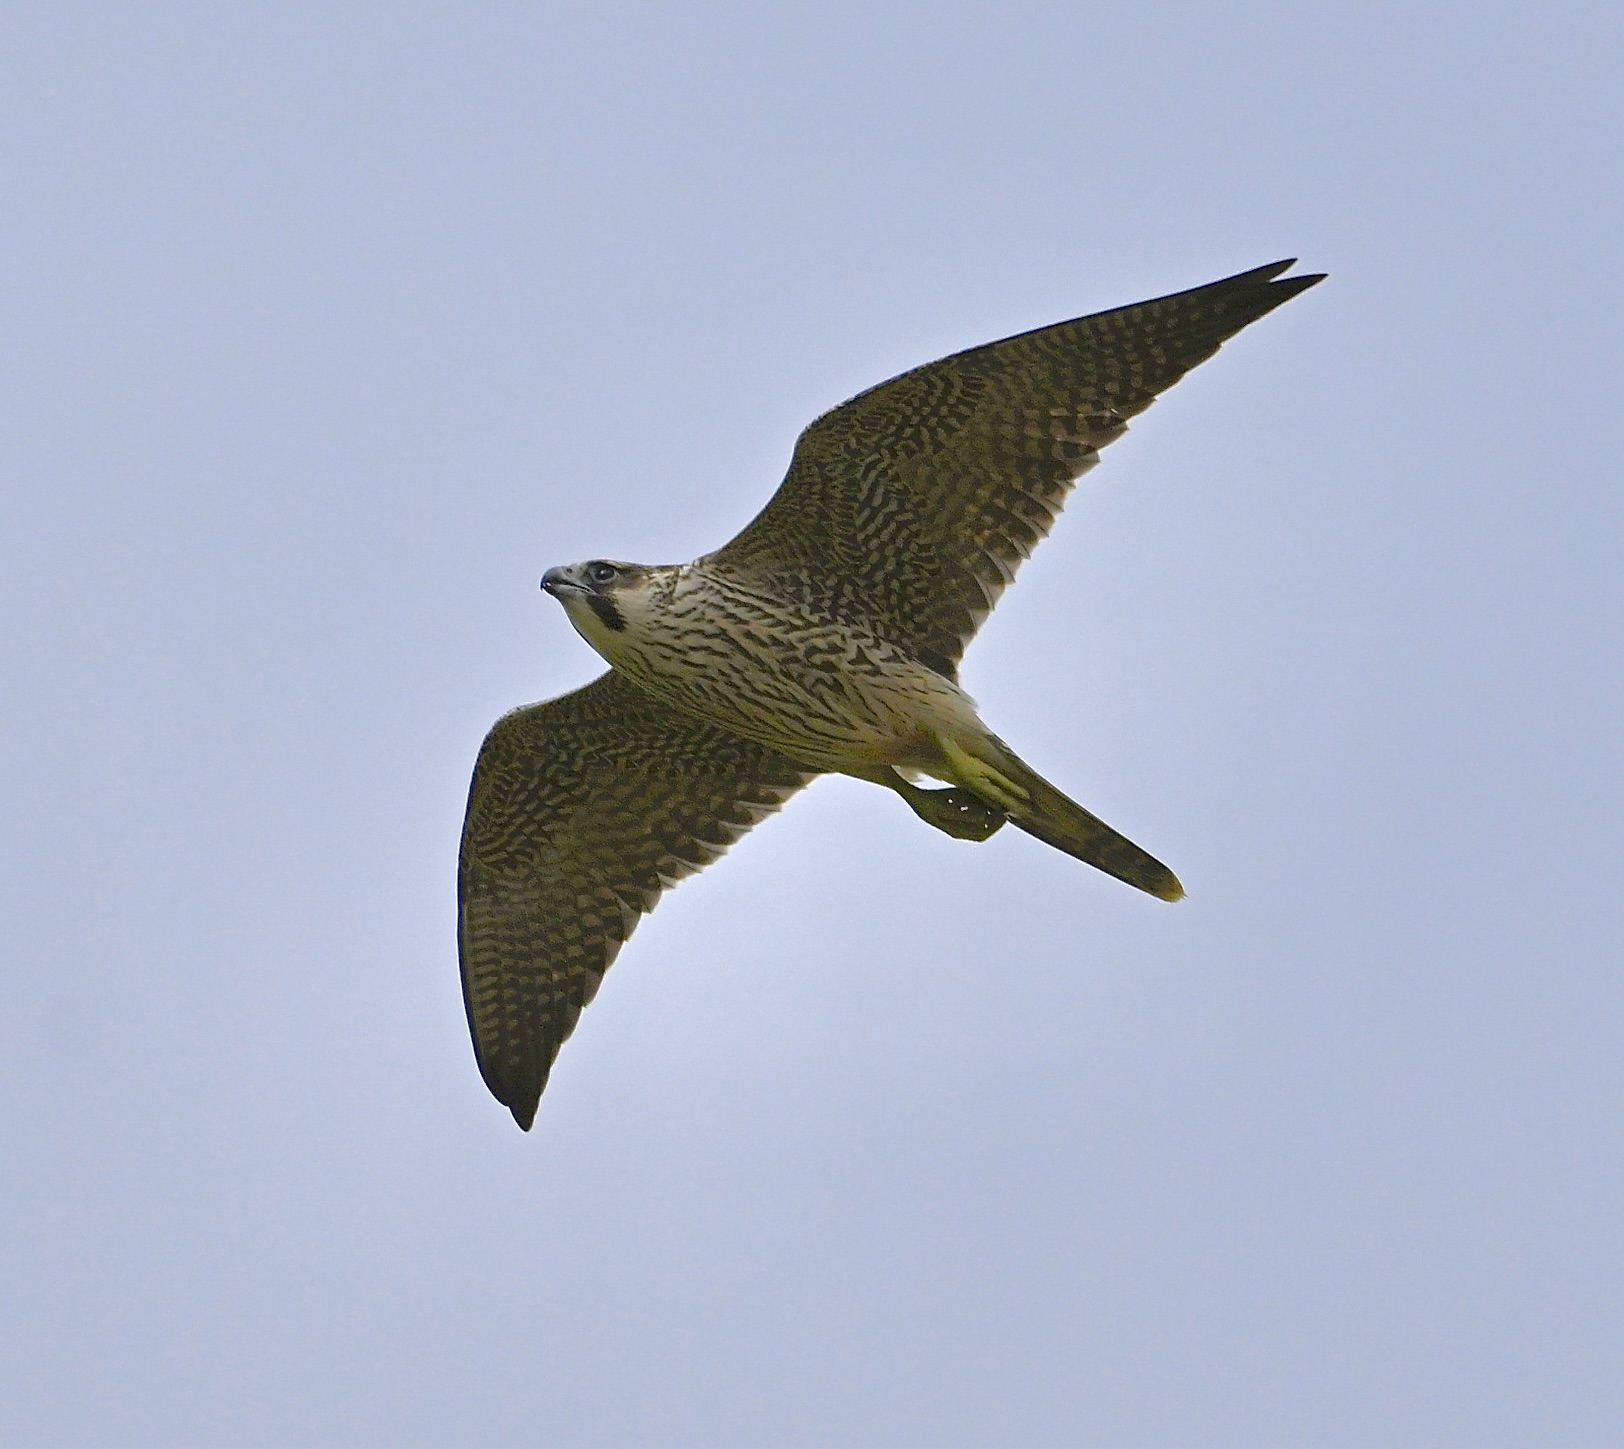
(583, 809)
(912, 505)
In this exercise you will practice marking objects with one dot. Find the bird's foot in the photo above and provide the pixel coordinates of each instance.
(957, 812)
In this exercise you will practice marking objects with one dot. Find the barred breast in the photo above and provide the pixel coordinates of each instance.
(825, 691)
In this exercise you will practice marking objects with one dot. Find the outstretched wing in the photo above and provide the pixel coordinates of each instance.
(583, 809)
(912, 505)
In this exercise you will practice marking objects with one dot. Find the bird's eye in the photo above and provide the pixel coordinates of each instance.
(600, 573)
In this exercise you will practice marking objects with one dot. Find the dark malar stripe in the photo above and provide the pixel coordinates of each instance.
(608, 614)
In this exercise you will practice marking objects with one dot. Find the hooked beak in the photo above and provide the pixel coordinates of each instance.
(558, 582)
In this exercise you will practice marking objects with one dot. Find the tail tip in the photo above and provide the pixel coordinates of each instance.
(1168, 888)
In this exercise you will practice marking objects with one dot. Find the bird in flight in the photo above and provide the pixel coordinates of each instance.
(825, 638)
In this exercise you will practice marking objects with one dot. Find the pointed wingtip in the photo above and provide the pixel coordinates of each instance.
(1267, 289)
(512, 1079)
(1268, 272)
(1255, 292)
(1292, 285)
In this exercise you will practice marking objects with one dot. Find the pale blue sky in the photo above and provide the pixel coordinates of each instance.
(327, 329)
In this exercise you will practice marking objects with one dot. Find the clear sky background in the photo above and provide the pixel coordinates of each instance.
(327, 329)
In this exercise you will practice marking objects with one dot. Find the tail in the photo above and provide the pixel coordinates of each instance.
(1041, 810)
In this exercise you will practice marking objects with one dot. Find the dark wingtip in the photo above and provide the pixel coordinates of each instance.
(1270, 270)
(1250, 294)
(1290, 286)
(519, 1096)
(1264, 289)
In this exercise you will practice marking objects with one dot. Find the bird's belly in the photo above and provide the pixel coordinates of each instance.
(834, 698)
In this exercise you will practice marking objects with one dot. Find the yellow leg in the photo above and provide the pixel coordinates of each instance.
(980, 777)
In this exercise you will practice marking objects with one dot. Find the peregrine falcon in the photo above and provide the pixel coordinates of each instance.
(825, 638)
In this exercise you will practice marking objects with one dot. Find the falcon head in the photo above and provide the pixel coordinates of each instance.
(597, 594)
